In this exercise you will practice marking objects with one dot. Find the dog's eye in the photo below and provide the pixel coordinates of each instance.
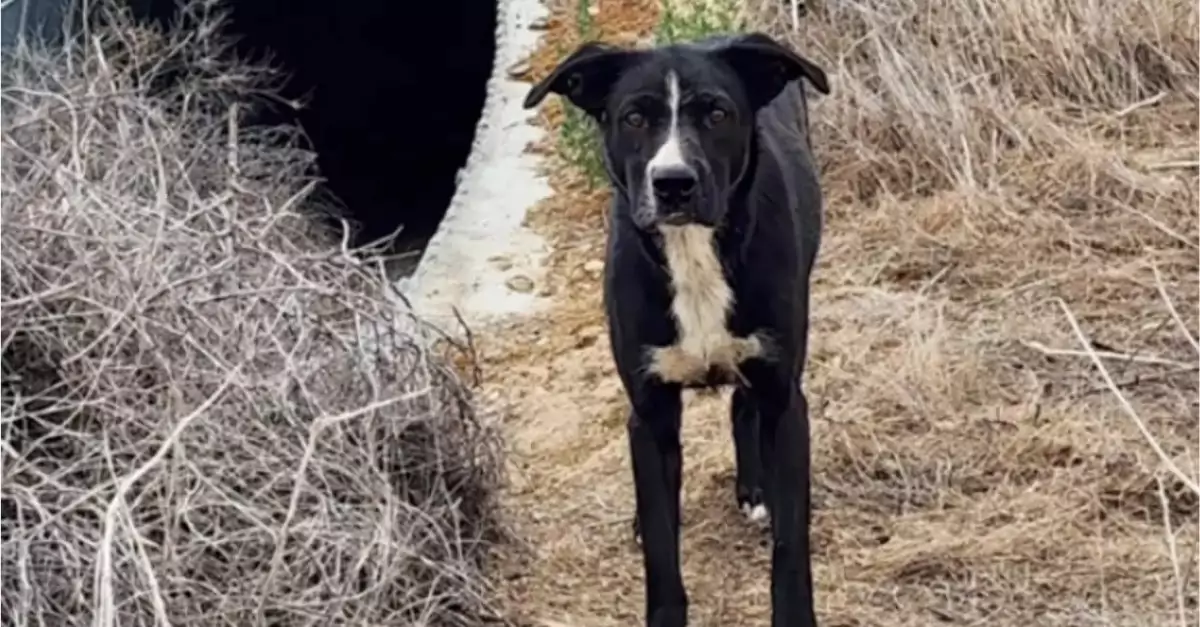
(635, 119)
(716, 115)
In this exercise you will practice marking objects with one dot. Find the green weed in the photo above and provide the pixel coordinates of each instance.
(579, 139)
(685, 20)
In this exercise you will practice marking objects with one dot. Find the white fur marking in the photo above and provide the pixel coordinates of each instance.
(701, 304)
(670, 154)
(756, 514)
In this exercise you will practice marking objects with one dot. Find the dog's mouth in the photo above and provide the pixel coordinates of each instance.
(677, 218)
(683, 219)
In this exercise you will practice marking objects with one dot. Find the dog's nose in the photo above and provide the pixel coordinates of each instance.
(674, 185)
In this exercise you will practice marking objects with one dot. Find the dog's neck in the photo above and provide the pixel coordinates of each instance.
(701, 296)
(705, 351)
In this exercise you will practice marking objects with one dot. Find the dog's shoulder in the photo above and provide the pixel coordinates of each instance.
(785, 196)
(785, 147)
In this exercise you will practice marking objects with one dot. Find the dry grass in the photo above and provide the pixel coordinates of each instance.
(996, 173)
(210, 412)
(1012, 201)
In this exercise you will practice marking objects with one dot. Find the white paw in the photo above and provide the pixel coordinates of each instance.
(757, 514)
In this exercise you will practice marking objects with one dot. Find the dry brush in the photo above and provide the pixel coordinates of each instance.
(212, 413)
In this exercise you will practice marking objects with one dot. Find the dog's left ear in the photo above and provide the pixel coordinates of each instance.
(585, 77)
(767, 66)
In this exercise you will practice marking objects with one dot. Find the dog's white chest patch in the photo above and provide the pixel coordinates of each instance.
(701, 303)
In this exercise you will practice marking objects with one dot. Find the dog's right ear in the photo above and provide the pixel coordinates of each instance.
(585, 77)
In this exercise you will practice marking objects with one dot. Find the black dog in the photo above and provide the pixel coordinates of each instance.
(716, 222)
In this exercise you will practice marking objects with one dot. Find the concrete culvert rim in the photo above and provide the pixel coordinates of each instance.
(483, 263)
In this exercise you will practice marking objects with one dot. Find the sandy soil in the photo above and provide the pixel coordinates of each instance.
(965, 472)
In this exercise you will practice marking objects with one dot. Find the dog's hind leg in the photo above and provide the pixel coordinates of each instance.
(749, 488)
(655, 447)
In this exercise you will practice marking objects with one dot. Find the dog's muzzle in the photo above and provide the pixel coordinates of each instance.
(675, 190)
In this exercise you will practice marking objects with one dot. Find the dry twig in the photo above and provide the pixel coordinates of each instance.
(212, 414)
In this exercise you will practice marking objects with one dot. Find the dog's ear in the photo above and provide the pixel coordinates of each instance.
(585, 77)
(767, 66)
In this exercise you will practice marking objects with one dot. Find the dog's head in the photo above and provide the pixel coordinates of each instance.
(677, 121)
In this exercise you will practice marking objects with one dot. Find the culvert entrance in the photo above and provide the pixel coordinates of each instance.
(394, 99)
(391, 100)
(397, 103)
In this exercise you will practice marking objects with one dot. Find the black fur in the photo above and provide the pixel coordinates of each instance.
(758, 185)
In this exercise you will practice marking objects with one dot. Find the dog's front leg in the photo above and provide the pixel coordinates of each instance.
(783, 415)
(654, 425)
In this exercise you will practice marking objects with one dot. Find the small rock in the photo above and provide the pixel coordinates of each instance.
(501, 262)
(540, 23)
(594, 266)
(518, 69)
(587, 335)
(520, 283)
(546, 292)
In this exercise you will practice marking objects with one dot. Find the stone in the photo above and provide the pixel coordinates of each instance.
(518, 69)
(520, 283)
(501, 262)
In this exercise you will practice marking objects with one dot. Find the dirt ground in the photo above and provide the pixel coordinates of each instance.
(970, 466)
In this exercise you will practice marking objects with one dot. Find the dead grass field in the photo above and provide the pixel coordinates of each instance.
(1012, 206)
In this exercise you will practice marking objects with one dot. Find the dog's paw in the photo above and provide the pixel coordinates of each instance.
(752, 506)
(757, 514)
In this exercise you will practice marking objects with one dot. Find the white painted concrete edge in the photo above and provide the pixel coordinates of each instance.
(482, 261)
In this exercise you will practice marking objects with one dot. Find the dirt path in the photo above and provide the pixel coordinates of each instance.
(948, 489)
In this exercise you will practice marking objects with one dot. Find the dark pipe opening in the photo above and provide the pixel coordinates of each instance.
(393, 93)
